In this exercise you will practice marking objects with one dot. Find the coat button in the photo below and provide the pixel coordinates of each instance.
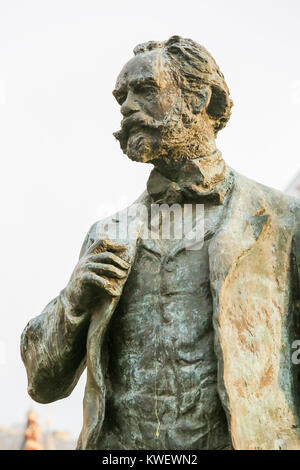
(169, 265)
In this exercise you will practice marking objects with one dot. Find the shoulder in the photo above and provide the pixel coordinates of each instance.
(276, 200)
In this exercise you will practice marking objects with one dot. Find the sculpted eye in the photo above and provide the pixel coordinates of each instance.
(146, 88)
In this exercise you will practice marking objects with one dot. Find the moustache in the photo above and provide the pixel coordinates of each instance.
(135, 121)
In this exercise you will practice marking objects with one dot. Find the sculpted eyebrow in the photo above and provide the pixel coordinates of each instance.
(122, 90)
(143, 81)
(117, 92)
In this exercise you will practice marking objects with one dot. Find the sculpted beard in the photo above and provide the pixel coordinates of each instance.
(139, 136)
(179, 136)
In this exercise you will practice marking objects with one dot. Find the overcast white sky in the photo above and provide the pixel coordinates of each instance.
(61, 168)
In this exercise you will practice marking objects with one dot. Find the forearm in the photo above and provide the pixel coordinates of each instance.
(53, 349)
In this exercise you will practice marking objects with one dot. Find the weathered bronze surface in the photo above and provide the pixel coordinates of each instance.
(185, 347)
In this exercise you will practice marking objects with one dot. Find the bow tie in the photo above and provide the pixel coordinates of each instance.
(204, 180)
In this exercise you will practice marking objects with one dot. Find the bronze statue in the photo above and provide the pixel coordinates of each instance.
(186, 347)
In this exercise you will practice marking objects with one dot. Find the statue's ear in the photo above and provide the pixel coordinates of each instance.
(200, 99)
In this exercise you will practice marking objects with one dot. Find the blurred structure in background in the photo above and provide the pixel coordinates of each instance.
(32, 436)
(294, 187)
(33, 433)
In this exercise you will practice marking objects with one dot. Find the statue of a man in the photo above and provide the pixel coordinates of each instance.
(186, 347)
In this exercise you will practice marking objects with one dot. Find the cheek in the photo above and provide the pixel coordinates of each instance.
(167, 102)
(158, 105)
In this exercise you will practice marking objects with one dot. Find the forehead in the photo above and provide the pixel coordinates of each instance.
(150, 65)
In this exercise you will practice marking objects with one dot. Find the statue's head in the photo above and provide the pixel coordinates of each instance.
(174, 100)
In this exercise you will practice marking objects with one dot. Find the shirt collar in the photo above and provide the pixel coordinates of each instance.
(205, 179)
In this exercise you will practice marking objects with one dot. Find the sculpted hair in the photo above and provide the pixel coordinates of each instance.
(193, 67)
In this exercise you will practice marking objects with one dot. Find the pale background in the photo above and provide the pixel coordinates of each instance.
(61, 168)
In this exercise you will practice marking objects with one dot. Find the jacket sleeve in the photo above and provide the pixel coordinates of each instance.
(53, 349)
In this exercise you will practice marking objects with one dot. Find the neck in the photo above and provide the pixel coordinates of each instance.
(205, 178)
(205, 167)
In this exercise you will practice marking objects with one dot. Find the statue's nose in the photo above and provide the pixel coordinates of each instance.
(129, 106)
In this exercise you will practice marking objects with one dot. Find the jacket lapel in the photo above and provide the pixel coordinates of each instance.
(124, 228)
(249, 269)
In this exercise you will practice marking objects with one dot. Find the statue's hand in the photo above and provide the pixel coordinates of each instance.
(96, 274)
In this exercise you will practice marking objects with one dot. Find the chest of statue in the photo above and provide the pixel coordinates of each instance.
(163, 370)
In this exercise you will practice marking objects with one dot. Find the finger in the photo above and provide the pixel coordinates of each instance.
(95, 280)
(110, 258)
(114, 246)
(107, 269)
(97, 245)
(102, 245)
